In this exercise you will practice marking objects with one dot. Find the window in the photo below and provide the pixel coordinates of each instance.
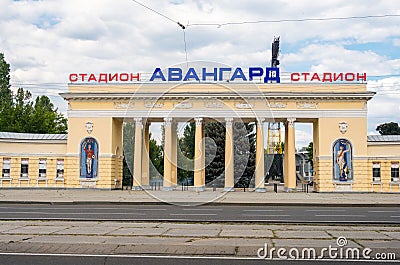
(42, 168)
(6, 168)
(24, 167)
(395, 171)
(60, 168)
(376, 171)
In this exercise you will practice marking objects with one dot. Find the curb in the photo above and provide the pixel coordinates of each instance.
(227, 221)
(184, 204)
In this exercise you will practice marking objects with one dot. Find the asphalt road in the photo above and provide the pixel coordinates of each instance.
(45, 259)
(205, 213)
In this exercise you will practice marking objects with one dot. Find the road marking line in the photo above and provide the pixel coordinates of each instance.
(147, 209)
(267, 215)
(263, 210)
(339, 215)
(181, 257)
(1, 213)
(82, 208)
(322, 210)
(124, 256)
(384, 211)
(395, 216)
(198, 209)
(185, 214)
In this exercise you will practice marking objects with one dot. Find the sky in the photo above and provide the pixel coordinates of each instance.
(44, 41)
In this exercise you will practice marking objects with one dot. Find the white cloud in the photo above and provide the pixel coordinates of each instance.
(44, 41)
(335, 58)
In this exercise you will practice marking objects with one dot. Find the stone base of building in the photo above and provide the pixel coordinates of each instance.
(289, 189)
(197, 188)
(88, 183)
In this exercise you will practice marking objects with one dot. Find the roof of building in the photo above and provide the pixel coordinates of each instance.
(32, 136)
(383, 138)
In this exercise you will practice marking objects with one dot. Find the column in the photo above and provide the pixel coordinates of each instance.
(146, 157)
(174, 153)
(137, 166)
(229, 160)
(260, 178)
(290, 156)
(167, 154)
(199, 180)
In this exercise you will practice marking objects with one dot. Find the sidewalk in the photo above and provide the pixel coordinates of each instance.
(190, 197)
(158, 238)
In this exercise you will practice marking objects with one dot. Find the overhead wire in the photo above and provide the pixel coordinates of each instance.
(155, 11)
(292, 20)
(183, 27)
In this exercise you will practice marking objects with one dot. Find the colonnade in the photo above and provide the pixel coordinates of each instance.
(141, 178)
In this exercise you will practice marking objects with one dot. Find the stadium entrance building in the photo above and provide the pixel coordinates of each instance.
(91, 155)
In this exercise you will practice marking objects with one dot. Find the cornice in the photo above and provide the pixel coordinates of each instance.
(103, 96)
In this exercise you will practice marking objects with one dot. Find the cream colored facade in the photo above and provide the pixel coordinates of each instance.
(337, 111)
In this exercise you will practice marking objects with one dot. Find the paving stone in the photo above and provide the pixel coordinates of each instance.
(19, 223)
(373, 244)
(303, 243)
(256, 242)
(246, 233)
(255, 227)
(316, 227)
(183, 238)
(249, 251)
(302, 234)
(36, 229)
(142, 240)
(133, 225)
(205, 250)
(94, 230)
(146, 249)
(376, 228)
(6, 227)
(127, 231)
(395, 235)
(191, 226)
(78, 239)
(192, 232)
(355, 228)
(75, 223)
(359, 234)
(97, 249)
(14, 238)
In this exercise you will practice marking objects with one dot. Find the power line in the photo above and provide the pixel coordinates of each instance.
(291, 20)
(155, 11)
(172, 20)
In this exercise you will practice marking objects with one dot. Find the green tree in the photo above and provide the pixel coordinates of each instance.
(45, 117)
(21, 116)
(244, 153)
(19, 113)
(6, 96)
(128, 147)
(390, 128)
(310, 153)
(156, 158)
(215, 153)
(186, 153)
